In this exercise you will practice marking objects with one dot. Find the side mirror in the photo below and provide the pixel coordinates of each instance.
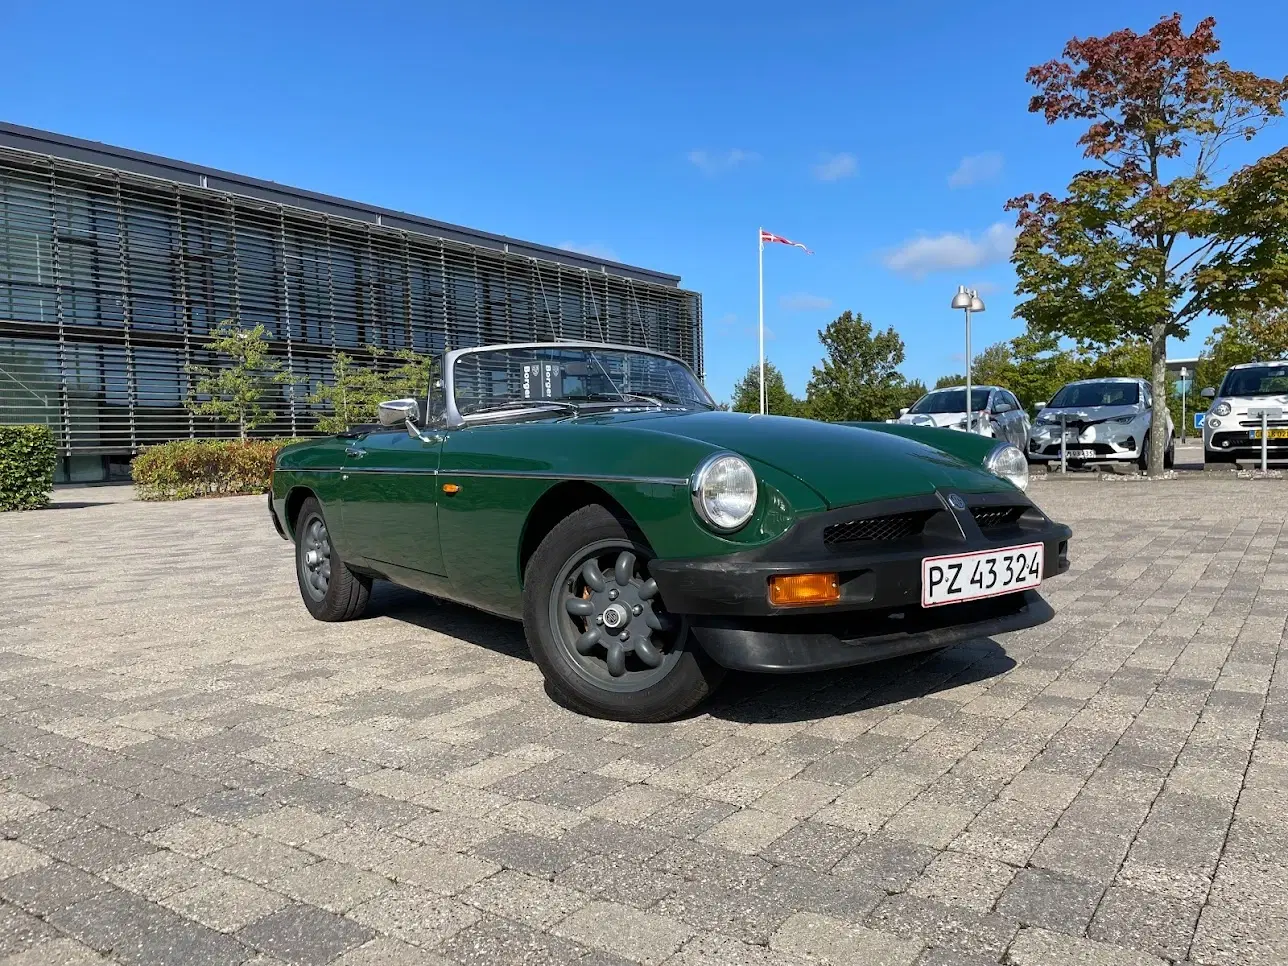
(1001, 408)
(903, 411)
(1208, 393)
(399, 412)
(1041, 405)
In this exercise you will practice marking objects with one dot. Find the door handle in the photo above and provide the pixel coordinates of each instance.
(355, 452)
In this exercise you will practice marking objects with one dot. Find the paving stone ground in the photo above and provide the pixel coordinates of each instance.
(192, 771)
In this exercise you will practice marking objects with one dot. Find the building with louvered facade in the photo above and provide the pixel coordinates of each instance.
(115, 266)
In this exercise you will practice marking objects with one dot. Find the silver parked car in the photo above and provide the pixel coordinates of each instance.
(1230, 430)
(1105, 420)
(995, 412)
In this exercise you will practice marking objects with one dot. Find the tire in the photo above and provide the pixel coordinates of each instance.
(1169, 455)
(331, 591)
(608, 680)
(1142, 461)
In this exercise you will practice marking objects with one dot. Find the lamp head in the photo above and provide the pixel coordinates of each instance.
(976, 303)
(962, 299)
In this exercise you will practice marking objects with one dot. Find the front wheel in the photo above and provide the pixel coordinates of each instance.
(331, 591)
(599, 631)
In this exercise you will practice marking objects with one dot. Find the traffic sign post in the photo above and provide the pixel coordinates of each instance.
(1266, 413)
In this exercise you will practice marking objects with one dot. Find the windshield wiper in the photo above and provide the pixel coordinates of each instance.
(524, 404)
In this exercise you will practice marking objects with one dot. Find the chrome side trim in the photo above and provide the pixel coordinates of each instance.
(506, 474)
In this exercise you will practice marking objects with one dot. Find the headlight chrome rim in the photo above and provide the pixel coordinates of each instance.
(1222, 408)
(1017, 473)
(698, 493)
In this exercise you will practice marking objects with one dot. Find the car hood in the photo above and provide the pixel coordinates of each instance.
(1091, 414)
(1241, 404)
(843, 464)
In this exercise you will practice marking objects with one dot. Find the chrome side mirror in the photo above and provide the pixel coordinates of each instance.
(1040, 405)
(903, 411)
(399, 412)
(1208, 393)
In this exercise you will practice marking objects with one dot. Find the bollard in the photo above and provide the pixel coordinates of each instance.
(1265, 437)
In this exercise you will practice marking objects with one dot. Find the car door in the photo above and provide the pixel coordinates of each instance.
(1017, 423)
(390, 512)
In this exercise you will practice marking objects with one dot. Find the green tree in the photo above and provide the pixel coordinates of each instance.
(947, 382)
(236, 391)
(912, 391)
(778, 401)
(355, 392)
(1149, 239)
(859, 377)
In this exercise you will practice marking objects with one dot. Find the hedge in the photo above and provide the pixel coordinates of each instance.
(27, 460)
(188, 468)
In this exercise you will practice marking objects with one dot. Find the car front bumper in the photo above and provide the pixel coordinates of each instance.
(726, 602)
(1109, 441)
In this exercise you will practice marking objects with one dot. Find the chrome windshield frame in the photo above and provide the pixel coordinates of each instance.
(453, 415)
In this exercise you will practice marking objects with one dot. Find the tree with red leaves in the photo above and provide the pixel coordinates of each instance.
(1151, 237)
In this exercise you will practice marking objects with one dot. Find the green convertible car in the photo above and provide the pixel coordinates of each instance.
(649, 542)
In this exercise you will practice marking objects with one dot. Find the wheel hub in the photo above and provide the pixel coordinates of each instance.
(620, 612)
(615, 617)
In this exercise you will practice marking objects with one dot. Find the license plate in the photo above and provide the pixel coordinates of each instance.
(1079, 454)
(1270, 433)
(986, 573)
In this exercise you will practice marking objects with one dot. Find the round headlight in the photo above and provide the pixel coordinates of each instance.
(724, 492)
(1221, 409)
(1008, 462)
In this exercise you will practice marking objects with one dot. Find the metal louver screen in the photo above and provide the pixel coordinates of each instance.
(110, 283)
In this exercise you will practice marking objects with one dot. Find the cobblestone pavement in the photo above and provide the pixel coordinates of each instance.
(194, 772)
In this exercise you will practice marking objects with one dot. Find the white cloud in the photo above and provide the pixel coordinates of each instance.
(834, 167)
(803, 302)
(975, 168)
(937, 253)
(709, 162)
(593, 249)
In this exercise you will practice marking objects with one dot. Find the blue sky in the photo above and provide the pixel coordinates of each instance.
(885, 136)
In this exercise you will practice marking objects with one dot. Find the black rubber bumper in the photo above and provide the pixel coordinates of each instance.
(876, 551)
(785, 645)
(277, 524)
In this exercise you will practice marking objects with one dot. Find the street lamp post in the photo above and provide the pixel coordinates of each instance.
(1184, 374)
(969, 300)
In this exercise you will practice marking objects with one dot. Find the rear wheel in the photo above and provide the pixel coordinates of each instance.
(1169, 455)
(599, 631)
(331, 591)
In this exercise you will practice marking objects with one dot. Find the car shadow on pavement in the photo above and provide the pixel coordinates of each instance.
(445, 617)
(74, 504)
(744, 697)
(784, 698)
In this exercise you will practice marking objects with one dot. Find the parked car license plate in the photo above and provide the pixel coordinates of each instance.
(1270, 433)
(1079, 454)
(986, 573)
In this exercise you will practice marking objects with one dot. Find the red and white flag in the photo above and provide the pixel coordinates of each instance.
(769, 236)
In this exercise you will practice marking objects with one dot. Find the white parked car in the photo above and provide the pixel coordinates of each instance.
(1230, 432)
(1105, 420)
(996, 412)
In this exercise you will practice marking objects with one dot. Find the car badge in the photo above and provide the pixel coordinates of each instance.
(956, 502)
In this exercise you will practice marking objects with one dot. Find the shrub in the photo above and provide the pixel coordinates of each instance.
(27, 458)
(188, 468)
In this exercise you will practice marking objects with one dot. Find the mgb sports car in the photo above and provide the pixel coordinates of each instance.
(648, 541)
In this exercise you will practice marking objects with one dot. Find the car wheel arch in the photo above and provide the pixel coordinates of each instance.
(557, 503)
(294, 502)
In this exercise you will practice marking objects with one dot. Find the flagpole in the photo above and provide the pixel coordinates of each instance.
(760, 240)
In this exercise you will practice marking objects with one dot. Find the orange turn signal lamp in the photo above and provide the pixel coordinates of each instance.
(451, 488)
(797, 590)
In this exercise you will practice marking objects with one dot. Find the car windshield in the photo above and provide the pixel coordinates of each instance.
(950, 401)
(1255, 381)
(1085, 394)
(570, 378)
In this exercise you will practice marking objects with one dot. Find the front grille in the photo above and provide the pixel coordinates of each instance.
(990, 517)
(896, 526)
